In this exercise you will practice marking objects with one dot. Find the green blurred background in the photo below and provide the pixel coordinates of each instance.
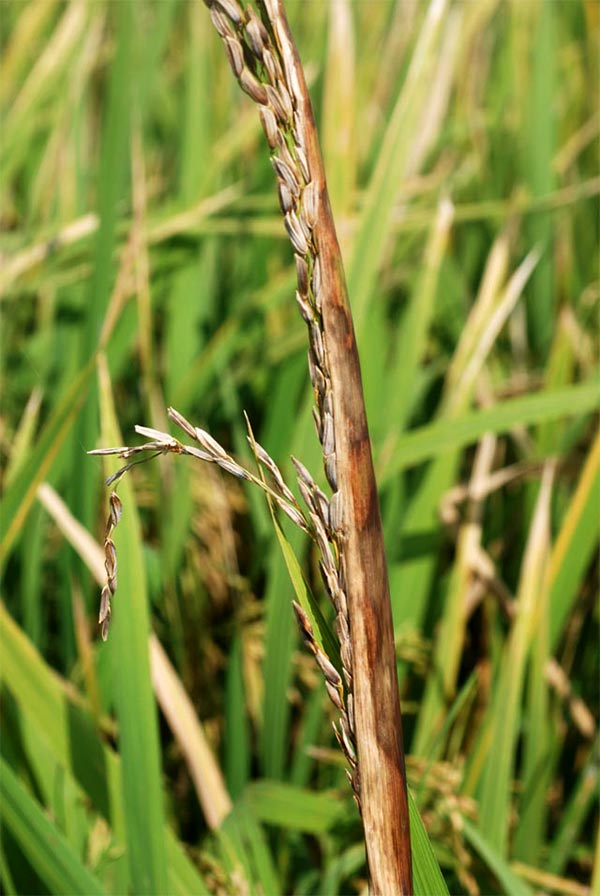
(143, 264)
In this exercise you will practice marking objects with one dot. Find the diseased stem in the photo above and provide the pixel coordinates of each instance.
(377, 716)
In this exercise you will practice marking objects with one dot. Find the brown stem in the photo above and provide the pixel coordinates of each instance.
(377, 716)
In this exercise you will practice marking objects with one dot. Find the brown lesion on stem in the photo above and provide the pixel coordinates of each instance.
(378, 728)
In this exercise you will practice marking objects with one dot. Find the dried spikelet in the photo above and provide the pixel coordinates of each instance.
(269, 124)
(328, 434)
(231, 10)
(301, 274)
(276, 104)
(256, 33)
(286, 200)
(333, 682)
(269, 60)
(286, 173)
(303, 161)
(221, 22)
(296, 234)
(336, 518)
(285, 100)
(309, 205)
(331, 471)
(252, 87)
(235, 55)
(305, 309)
(316, 342)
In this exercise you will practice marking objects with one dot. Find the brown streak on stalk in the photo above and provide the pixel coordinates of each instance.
(383, 796)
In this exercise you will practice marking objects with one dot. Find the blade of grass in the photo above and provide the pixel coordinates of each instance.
(237, 739)
(54, 787)
(312, 723)
(390, 170)
(181, 716)
(346, 865)
(443, 436)
(21, 443)
(540, 753)
(294, 808)
(417, 319)
(576, 542)
(321, 630)
(113, 166)
(285, 430)
(337, 128)
(511, 884)
(26, 33)
(19, 497)
(427, 875)
(21, 121)
(192, 299)
(47, 850)
(440, 688)
(243, 846)
(539, 147)
(576, 813)
(505, 714)
(136, 710)
(485, 321)
(32, 591)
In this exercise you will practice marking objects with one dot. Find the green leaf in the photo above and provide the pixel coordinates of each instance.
(438, 438)
(19, 497)
(511, 884)
(132, 686)
(293, 808)
(321, 630)
(50, 855)
(427, 877)
(575, 544)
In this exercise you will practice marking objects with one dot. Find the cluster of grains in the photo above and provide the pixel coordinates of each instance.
(268, 73)
(110, 564)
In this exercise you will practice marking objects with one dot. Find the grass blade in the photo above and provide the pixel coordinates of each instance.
(49, 853)
(427, 875)
(575, 544)
(19, 497)
(442, 436)
(510, 883)
(505, 718)
(136, 710)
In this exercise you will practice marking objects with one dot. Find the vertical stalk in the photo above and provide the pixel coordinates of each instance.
(265, 61)
(377, 715)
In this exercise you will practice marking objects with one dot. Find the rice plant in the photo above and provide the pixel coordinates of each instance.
(146, 265)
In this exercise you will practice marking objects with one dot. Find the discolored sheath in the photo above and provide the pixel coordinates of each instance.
(372, 718)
